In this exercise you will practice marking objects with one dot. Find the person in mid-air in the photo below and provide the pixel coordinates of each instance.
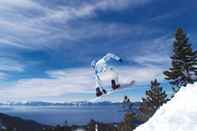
(100, 67)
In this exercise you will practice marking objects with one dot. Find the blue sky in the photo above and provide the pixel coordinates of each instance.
(46, 46)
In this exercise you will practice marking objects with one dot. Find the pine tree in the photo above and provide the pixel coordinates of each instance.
(127, 104)
(184, 62)
(91, 125)
(153, 99)
(128, 123)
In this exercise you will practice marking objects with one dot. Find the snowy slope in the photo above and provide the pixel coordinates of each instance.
(179, 114)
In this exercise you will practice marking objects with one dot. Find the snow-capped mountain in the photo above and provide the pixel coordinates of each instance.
(43, 103)
(179, 114)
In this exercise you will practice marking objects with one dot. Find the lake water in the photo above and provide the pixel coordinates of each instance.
(54, 115)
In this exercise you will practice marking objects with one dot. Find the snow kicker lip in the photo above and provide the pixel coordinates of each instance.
(178, 114)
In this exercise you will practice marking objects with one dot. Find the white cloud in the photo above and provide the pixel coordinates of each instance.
(142, 75)
(152, 59)
(11, 41)
(10, 64)
(169, 15)
(61, 82)
(18, 20)
(71, 81)
(120, 4)
(17, 4)
(157, 52)
(3, 76)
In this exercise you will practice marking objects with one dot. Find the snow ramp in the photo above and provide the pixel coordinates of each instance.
(179, 114)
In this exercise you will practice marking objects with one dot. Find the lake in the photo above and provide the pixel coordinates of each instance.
(54, 115)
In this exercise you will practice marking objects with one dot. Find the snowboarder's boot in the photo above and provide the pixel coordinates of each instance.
(104, 91)
(114, 86)
(98, 92)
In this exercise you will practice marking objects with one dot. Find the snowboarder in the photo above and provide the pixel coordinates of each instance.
(102, 66)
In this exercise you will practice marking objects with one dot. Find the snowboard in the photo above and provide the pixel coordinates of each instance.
(109, 92)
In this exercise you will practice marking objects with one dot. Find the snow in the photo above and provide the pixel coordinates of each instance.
(179, 114)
